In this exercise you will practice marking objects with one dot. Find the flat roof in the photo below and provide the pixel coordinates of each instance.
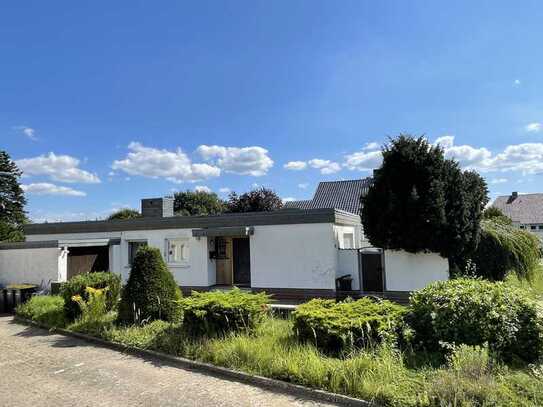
(279, 217)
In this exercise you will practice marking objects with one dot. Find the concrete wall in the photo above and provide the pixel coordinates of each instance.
(32, 265)
(294, 256)
(407, 272)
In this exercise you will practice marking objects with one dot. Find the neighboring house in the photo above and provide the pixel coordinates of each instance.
(525, 210)
(344, 195)
(292, 253)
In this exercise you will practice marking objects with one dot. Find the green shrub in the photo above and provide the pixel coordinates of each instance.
(503, 248)
(77, 286)
(475, 312)
(45, 309)
(218, 312)
(151, 292)
(338, 326)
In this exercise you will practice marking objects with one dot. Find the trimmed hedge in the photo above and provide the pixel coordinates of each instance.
(218, 312)
(503, 248)
(475, 312)
(338, 326)
(151, 292)
(77, 286)
(44, 309)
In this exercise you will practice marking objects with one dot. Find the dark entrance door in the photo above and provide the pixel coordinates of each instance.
(372, 272)
(241, 261)
(87, 259)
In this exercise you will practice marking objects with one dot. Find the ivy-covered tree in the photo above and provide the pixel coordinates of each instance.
(123, 214)
(256, 200)
(12, 201)
(191, 203)
(420, 201)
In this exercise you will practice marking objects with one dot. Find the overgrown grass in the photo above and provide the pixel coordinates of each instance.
(45, 309)
(469, 377)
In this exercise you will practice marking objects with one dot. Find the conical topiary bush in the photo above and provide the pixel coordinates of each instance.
(151, 291)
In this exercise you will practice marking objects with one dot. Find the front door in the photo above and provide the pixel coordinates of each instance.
(372, 272)
(241, 261)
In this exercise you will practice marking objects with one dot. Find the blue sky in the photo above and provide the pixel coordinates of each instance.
(106, 102)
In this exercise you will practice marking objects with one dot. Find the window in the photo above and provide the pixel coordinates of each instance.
(221, 249)
(522, 227)
(133, 249)
(348, 241)
(178, 251)
(533, 227)
(540, 227)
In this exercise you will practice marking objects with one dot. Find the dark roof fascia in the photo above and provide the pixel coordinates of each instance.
(192, 222)
(42, 244)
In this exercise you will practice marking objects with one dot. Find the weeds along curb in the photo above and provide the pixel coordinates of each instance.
(260, 381)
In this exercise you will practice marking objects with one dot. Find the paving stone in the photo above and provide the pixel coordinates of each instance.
(38, 368)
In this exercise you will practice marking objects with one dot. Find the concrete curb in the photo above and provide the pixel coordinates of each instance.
(260, 381)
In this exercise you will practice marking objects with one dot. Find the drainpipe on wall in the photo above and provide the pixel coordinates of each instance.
(63, 264)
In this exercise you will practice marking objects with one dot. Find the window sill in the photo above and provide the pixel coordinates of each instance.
(178, 265)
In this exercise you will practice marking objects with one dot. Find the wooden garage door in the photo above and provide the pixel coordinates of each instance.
(87, 259)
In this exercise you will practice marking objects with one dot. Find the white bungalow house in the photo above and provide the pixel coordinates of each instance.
(294, 253)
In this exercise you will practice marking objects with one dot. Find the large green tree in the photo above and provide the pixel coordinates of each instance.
(256, 200)
(421, 201)
(12, 200)
(191, 203)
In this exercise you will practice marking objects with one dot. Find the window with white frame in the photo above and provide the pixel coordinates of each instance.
(177, 251)
(348, 241)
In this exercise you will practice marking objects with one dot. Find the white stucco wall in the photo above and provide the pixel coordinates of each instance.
(348, 264)
(294, 256)
(407, 271)
(32, 265)
(196, 272)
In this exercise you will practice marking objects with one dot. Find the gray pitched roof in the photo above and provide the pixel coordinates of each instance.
(525, 209)
(344, 195)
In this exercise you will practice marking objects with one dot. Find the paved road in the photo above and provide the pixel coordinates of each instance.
(42, 369)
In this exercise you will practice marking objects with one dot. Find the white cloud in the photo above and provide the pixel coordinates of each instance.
(288, 199)
(225, 190)
(45, 188)
(371, 146)
(526, 158)
(363, 161)
(325, 166)
(202, 188)
(496, 181)
(534, 127)
(468, 156)
(295, 165)
(303, 185)
(175, 166)
(27, 131)
(62, 168)
(238, 160)
(516, 82)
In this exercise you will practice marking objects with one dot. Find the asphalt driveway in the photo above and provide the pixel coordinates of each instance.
(38, 368)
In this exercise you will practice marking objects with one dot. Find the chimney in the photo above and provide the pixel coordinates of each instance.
(157, 207)
(512, 197)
